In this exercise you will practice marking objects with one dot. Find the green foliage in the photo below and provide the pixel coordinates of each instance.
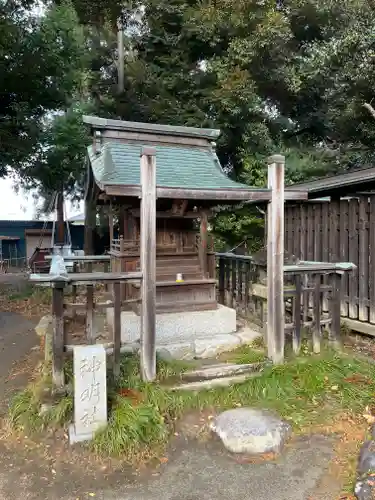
(275, 77)
(305, 391)
(131, 429)
(59, 160)
(25, 410)
(40, 65)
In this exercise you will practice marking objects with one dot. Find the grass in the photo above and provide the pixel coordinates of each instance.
(245, 354)
(307, 391)
(25, 410)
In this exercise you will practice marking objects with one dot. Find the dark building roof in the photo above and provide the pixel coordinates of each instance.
(351, 182)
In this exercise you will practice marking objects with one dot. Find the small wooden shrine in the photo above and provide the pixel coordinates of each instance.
(189, 182)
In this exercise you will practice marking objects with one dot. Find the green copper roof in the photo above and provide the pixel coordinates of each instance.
(176, 167)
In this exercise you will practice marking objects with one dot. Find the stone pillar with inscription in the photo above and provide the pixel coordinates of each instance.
(90, 392)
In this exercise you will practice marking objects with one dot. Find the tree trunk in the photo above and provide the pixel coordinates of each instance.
(90, 223)
(60, 219)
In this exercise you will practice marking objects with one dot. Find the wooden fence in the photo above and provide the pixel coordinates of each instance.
(339, 231)
(307, 289)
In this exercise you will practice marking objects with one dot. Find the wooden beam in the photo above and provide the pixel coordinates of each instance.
(148, 263)
(190, 214)
(153, 139)
(214, 194)
(255, 195)
(275, 260)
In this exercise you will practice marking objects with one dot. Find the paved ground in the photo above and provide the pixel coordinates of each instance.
(17, 338)
(194, 471)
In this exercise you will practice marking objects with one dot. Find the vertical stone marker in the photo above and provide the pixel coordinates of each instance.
(90, 392)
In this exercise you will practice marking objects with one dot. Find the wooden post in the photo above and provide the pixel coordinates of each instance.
(110, 224)
(116, 328)
(221, 281)
(275, 260)
(90, 314)
(58, 339)
(121, 221)
(335, 336)
(74, 290)
(317, 329)
(148, 263)
(297, 314)
(203, 242)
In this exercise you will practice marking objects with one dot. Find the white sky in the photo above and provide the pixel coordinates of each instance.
(21, 205)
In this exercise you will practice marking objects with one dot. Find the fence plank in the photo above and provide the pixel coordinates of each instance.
(310, 233)
(344, 255)
(318, 232)
(372, 260)
(303, 232)
(353, 257)
(289, 229)
(334, 238)
(296, 228)
(363, 264)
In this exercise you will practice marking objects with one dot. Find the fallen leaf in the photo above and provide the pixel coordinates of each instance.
(334, 388)
(163, 460)
(92, 494)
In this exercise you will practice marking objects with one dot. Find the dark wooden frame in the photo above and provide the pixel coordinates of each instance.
(305, 291)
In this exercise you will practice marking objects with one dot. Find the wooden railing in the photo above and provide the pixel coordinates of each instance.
(311, 295)
(88, 280)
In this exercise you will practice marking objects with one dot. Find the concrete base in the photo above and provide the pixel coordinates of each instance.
(189, 335)
(75, 437)
(181, 327)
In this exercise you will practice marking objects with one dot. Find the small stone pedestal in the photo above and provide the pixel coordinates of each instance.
(90, 392)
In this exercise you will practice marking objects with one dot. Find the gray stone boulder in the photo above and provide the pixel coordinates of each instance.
(366, 463)
(251, 431)
(365, 489)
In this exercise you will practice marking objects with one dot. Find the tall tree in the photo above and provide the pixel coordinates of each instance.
(40, 68)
